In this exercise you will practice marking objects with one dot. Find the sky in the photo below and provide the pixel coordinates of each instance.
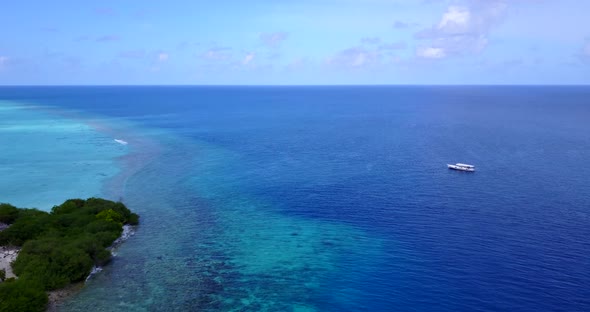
(294, 42)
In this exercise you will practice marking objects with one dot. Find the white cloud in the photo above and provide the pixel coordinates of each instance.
(463, 28)
(431, 53)
(455, 16)
(372, 52)
(163, 57)
(354, 57)
(248, 58)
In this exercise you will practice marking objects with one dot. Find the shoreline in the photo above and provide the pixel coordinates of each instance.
(57, 297)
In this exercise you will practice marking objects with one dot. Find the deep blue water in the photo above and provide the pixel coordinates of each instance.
(339, 199)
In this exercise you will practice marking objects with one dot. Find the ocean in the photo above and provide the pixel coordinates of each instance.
(318, 198)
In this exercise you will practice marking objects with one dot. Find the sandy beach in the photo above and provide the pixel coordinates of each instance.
(7, 255)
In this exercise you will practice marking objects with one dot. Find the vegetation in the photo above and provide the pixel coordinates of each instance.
(8, 213)
(58, 248)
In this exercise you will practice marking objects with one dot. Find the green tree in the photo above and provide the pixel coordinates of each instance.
(58, 248)
(111, 216)
(8, 213)
(23, 296)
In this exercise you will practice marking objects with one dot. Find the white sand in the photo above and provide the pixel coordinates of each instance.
(7, 256)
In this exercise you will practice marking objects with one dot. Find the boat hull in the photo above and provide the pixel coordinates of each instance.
(459, 168)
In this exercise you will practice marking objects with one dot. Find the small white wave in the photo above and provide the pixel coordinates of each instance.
(95, 270)
(122, 142)
(128, 231)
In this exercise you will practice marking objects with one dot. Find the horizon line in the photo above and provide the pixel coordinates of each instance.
(295, 85)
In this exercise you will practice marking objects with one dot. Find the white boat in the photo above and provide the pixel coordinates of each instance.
(461, 167)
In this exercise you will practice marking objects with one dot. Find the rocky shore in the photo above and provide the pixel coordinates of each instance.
(7, 255)
(58, 296)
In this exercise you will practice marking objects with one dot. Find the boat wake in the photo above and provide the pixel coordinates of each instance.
(122, 142)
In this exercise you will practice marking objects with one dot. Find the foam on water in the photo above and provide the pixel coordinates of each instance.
(122, 142)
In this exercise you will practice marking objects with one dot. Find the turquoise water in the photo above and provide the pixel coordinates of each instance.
(47, 159)
(328, 198)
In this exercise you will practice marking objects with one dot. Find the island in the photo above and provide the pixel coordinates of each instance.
(51, 250)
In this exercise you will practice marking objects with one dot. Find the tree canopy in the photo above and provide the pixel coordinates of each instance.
(58, 247)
